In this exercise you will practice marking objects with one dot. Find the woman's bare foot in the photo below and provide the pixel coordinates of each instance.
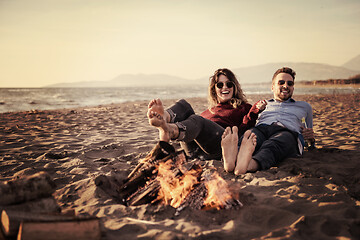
(156, 105)
(244, 156)
(229, 146)
(156, 120)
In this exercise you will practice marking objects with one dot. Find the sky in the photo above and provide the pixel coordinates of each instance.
(45, 42)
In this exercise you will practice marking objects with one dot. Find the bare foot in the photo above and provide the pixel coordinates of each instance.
(156, 120)
(229, 146)
(160, 119)
(156, 105)
(244, 156)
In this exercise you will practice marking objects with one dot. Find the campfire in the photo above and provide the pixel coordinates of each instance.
(165, 176)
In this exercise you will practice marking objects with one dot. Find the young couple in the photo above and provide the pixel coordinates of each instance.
(247, 138)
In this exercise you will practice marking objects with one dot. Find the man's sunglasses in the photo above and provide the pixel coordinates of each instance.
(221, 84)
(289, 83)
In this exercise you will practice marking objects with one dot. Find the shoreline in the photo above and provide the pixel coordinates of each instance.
(251, 97)
(341, 86)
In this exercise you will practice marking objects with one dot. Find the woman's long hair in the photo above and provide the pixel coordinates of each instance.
(238, 96)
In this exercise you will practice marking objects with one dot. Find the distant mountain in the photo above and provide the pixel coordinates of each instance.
(353, 64)
(246, 75)
(304, 71)
(130, 80)
(149, 80)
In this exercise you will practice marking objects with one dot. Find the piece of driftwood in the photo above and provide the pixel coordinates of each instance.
(10, 220)
(42, 205)
(85, 229)
(27, 188)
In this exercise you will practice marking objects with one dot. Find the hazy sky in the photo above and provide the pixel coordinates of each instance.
(49, 41)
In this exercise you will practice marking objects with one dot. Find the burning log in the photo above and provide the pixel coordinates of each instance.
(160, 151)
(218, 193)
(143, 173)
(165, 176)
(211, 192)
(177, 182)
(195, 199)
(144, 195)
(146, 170)
(149, 193)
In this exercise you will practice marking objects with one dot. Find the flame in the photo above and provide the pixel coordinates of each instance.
(175, 189)
(176, 183)
(218, 193)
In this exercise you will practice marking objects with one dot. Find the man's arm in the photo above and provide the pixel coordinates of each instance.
(307, 130)
(308, 134)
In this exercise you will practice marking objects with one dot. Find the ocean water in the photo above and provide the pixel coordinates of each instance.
(26, 99)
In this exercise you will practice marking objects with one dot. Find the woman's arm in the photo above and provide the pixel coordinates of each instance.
(251, 116)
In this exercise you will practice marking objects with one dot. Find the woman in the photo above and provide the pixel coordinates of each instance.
(228, 107)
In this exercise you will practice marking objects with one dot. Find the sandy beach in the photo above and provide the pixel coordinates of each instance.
(316, 196)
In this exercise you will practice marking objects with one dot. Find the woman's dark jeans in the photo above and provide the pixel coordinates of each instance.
(195, 131)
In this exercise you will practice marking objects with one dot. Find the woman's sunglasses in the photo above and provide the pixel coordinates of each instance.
(221, 85)
(289, 83)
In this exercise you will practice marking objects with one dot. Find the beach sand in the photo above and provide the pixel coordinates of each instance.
(316, 196)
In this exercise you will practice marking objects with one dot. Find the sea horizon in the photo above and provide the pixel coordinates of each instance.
(27, 99)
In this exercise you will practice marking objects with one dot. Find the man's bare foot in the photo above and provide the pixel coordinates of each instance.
(156, 120)
(229, 146)
(244, 156)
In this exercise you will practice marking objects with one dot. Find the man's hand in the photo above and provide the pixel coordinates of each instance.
(308, 134)
(261, 105)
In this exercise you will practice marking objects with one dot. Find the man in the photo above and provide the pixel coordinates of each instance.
(279, 132)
